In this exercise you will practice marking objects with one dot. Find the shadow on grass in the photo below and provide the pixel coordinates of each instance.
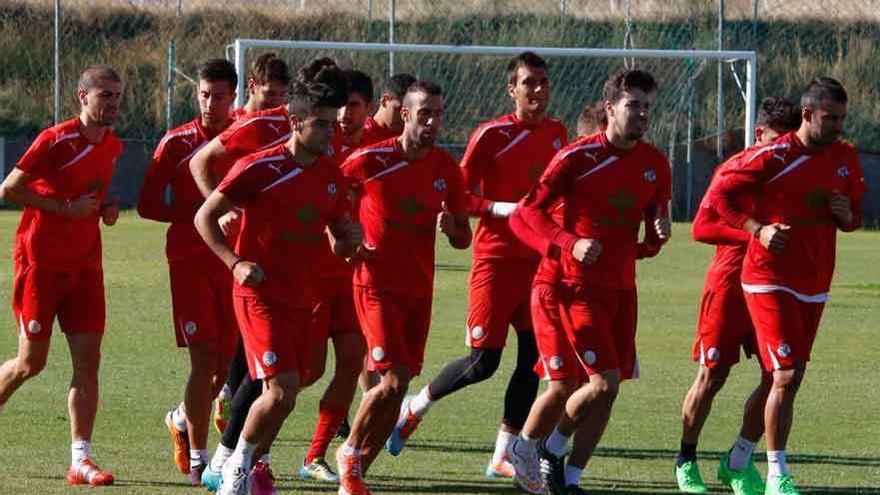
(446, 267)
(623, 453)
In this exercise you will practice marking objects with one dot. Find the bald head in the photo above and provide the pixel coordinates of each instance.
(95, 75)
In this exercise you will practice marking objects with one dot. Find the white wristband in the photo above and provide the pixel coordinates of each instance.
(500, 209)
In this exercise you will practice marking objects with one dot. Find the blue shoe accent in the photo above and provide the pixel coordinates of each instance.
(394, 444)
(212, 479)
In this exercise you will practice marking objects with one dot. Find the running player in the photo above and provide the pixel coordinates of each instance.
(724, 326)
(503, 161)
(288, 194)
(584, 304)
(335, 316)
(408, 190)
(807, 185)
(61, 182)
(201, 287)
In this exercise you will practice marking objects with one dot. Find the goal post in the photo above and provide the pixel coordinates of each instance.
(241, 47)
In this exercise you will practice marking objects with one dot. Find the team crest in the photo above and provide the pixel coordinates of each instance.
(440, 185)
(843, 172)
(784, 350)
(650, 176)
(331, 189)
(557, 143)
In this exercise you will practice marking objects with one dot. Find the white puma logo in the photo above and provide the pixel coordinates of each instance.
(591, 156)
(274, 167)
(274, 127)
(383, 159)
(505, 132)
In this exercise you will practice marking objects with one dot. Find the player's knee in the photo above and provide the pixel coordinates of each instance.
(789, 379)
(394, 385)
(29, 368)
(607, 390)
(713, 379)
(484, 363)
(560, 390)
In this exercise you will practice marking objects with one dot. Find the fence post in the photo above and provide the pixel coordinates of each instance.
(719, 150)
(57, 70)
(391, 14)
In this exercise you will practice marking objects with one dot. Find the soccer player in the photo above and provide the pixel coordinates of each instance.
(584, 295)
(61, 183)
(592, 119)
(807, 185)
(335, 316)
(408, 190)
(387, 123)
(201, 287)
(267, 84)
(503, 161)
(288, 194)
(253, 132)
(724, 326)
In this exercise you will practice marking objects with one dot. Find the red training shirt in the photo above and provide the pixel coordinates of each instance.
(65, 165)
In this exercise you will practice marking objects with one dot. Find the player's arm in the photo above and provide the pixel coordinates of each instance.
(151, 204)
(346, 236)
(709, 228)
(453, 219)
(246, 272)
(200, 165)
(477, 156)
(748, 179)
(846, 207)
(14, 190)
(533, 223)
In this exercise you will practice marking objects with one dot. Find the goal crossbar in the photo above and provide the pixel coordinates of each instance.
(241, 46)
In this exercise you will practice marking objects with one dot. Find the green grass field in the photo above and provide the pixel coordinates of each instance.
(833, 449)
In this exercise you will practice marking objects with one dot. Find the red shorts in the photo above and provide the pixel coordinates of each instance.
(334, 313)
(556, 356)
(275, 337)
(76, 298)
(395, 327)
(600, 326)
(498, 297)
(723, 328)
(201, 297)
(785, 328)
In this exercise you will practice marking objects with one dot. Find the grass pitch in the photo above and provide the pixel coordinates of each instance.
(833, 447)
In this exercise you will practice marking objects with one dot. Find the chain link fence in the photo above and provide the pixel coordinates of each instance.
(157, 44)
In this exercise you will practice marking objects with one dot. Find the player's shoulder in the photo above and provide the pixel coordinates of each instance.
(583, 147)
(59, 133)
(496, 127)
(181, 134)
(780, 149)
(271, 115)
(377, 151)
(555, 124)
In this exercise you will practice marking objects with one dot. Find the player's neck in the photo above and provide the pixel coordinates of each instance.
(217, 127)
(354, 139)
(250, 106)
(384, 121)
(619, 140)
(804, 137)
(529, 118)
(92, 131)
(298, 153)
(411, 150)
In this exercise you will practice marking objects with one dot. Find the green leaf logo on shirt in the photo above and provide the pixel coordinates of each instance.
(817, 199)
(409, 206)
(307, 214)
(622, 201)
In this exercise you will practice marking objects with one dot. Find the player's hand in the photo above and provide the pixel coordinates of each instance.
(82, 206)
(663, 228)
(363, 252)
(586, 251)
(354, 233)
(446, 222)
(248, 274)
(841, 209)
(774, 236)
(110, 212)
(229, 222)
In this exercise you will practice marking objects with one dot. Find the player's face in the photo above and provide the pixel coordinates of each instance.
(423, 118)
(353, 114)
(531, 91)
(267, 95)
(101, 103)
(825, 122)
(215, 97)
(631, 114)
(316, 130)
(392, 105)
